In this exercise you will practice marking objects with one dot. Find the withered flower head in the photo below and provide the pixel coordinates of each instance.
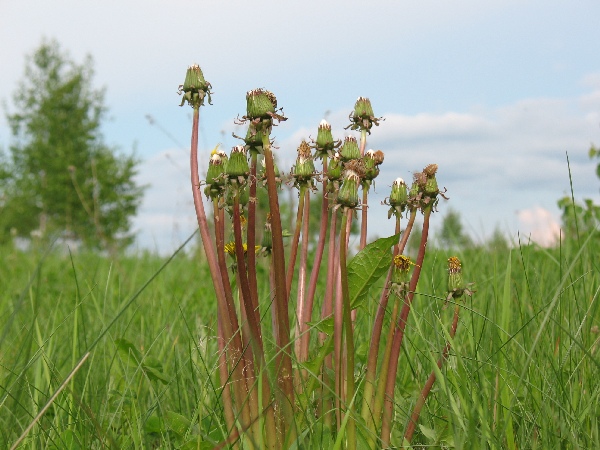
(348, 193)
(349, 149)
(456, 286)
(304, 170)
(363, 118)
(195, 88)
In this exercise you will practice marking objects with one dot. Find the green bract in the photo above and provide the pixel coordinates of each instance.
(237, 166)
(260, 104)
(349, 149)
(195, 87)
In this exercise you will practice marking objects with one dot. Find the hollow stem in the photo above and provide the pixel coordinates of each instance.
(301, 325)
(370, 376)
(399, 334)
(251, 238)
(296, 238)
(283, 357)
(364, 218)
(314, 275)
(213, 265)
(349, 335)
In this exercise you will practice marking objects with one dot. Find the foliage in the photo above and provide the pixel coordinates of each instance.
(541, 371)
(452, 234)
(581, 219)
(61, 178)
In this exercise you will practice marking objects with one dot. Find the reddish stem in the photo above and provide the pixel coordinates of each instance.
(399, 335)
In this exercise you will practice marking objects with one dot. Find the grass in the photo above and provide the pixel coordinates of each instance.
(521, 374)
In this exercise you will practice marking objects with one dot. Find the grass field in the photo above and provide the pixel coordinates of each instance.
(522, 373)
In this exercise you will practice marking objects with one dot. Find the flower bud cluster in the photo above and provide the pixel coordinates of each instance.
(425, 191)
(372, 160)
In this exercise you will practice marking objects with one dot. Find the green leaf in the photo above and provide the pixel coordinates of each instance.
(314, 365)
(429, 433)
(177, 423)
(154, 425)
(324, 326)
(129, 352)
(367, 267)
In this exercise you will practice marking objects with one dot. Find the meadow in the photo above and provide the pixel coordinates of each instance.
(522, 369)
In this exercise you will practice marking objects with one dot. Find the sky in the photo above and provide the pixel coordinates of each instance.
(496, 93)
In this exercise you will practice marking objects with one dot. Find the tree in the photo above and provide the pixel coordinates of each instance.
(581, 219)
(452, 234)
(60, 177)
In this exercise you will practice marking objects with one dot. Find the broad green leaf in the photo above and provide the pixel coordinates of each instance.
(367, 267)
(428, 433)
(177, 423)
(154, 425)
(128, 352)
(324, 326)
(314, 365)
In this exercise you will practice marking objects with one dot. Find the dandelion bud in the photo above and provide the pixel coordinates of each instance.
(195, 87)
(215, 178)
(237, 166)
(304, 169)
(325, 143)
(399, 194)
(260, 104)
(254, 139)
(431, 187)
(348, 194)
(349, 149)
(363, 118)
(267, 238)
(372, 161)
(363, 108)
(456, 286)
(334, 169)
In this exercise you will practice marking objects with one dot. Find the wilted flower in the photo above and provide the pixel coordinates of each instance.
(398, 198)
(195, 87)
(348, 193)
(456, 286)
(349, 149)
(363, 118)
(304, 170)
(215, 178)
(325, 144)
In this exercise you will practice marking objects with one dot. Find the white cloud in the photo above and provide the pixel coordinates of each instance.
(539, 225)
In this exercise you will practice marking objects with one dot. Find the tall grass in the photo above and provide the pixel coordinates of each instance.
(521, 374)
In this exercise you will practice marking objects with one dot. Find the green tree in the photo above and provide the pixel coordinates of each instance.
(581, 219)
(452, 234)
(60, 178)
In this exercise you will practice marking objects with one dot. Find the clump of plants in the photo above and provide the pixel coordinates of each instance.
(287, 369)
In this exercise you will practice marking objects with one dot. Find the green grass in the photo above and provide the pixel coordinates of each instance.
(522, 371)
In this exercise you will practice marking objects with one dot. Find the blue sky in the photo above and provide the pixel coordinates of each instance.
(494, 92)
